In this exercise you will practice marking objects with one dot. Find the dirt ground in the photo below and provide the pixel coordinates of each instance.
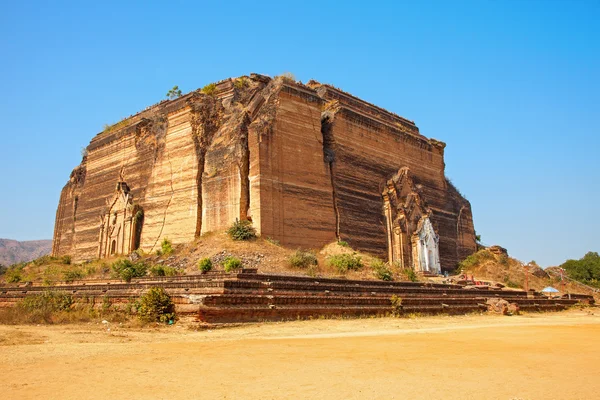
(534, 356)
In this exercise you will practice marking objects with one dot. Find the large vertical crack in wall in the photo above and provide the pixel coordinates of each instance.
(329, 159)
(244, 167)
(205, 122)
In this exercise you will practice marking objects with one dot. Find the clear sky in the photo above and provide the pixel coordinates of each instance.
(512, 87)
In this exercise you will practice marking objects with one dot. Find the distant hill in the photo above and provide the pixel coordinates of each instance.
(13, 251)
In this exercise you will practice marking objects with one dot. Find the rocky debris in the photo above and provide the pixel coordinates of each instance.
(501, 306)
(498, 250)
(536, 270)
(250, 260)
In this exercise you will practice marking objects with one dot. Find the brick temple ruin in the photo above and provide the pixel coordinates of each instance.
(308, 164)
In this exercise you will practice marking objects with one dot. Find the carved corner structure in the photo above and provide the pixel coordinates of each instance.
(411, 240)
(120, 224)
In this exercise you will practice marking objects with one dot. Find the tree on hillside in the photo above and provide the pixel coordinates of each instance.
(585, 270)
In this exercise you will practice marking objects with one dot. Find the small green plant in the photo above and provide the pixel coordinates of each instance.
(106, 304)
(174, 93)
(156, 306)
(411, 275)
(47, 259)
(241, 230)
(209, 89)
(342, 243)
(475, 259)
(512, 284)
(231, 264)
(302, 259)
(288, 77)
(47, 301)
(345, 262)
(205, 265)
(381, 270)
(272, 241)
(396, 305)
(113, 127)
(126, 270)
(66, 260)
(163, 270)
(240, 82)
(73, 274)
(166, 248)
(90, 270)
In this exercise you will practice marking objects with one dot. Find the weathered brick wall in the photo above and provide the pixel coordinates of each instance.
(295, 204)
(306, 163)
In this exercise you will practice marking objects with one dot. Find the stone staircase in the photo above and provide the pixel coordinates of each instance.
(217, 297)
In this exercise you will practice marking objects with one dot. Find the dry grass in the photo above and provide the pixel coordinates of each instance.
(265, 254)
(509, 271)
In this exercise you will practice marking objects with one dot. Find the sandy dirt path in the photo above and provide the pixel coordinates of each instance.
(545, 356)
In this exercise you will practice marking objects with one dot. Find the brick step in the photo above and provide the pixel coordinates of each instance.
(533, 302)
(249, 314)
(340, 281)
(228, 300)
(313, 287)
(214, 284)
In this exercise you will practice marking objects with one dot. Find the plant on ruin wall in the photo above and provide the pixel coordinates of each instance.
(240, 82)
(287, 77)
(209, 89)
(174, 93)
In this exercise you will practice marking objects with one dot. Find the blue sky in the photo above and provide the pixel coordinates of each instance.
(512, 87)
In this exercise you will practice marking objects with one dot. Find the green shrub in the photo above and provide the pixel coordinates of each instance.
(47, 259)
(241, 230)
(381, 270)
(66, 260)
(205, 265)
(586, 269)
(49, 301)
(512, 284)
(272, 241)
(126, 270)
(73, 274)
(411, 275)
(156, 306)
(342, 243)
(14, 274)
(232, 263)
(475, 259)
(302, 259)
(166, 248)
(3, 269)
(396, 305)
(209, 89)
(90, 270)
(163, 270)
(345, 262)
